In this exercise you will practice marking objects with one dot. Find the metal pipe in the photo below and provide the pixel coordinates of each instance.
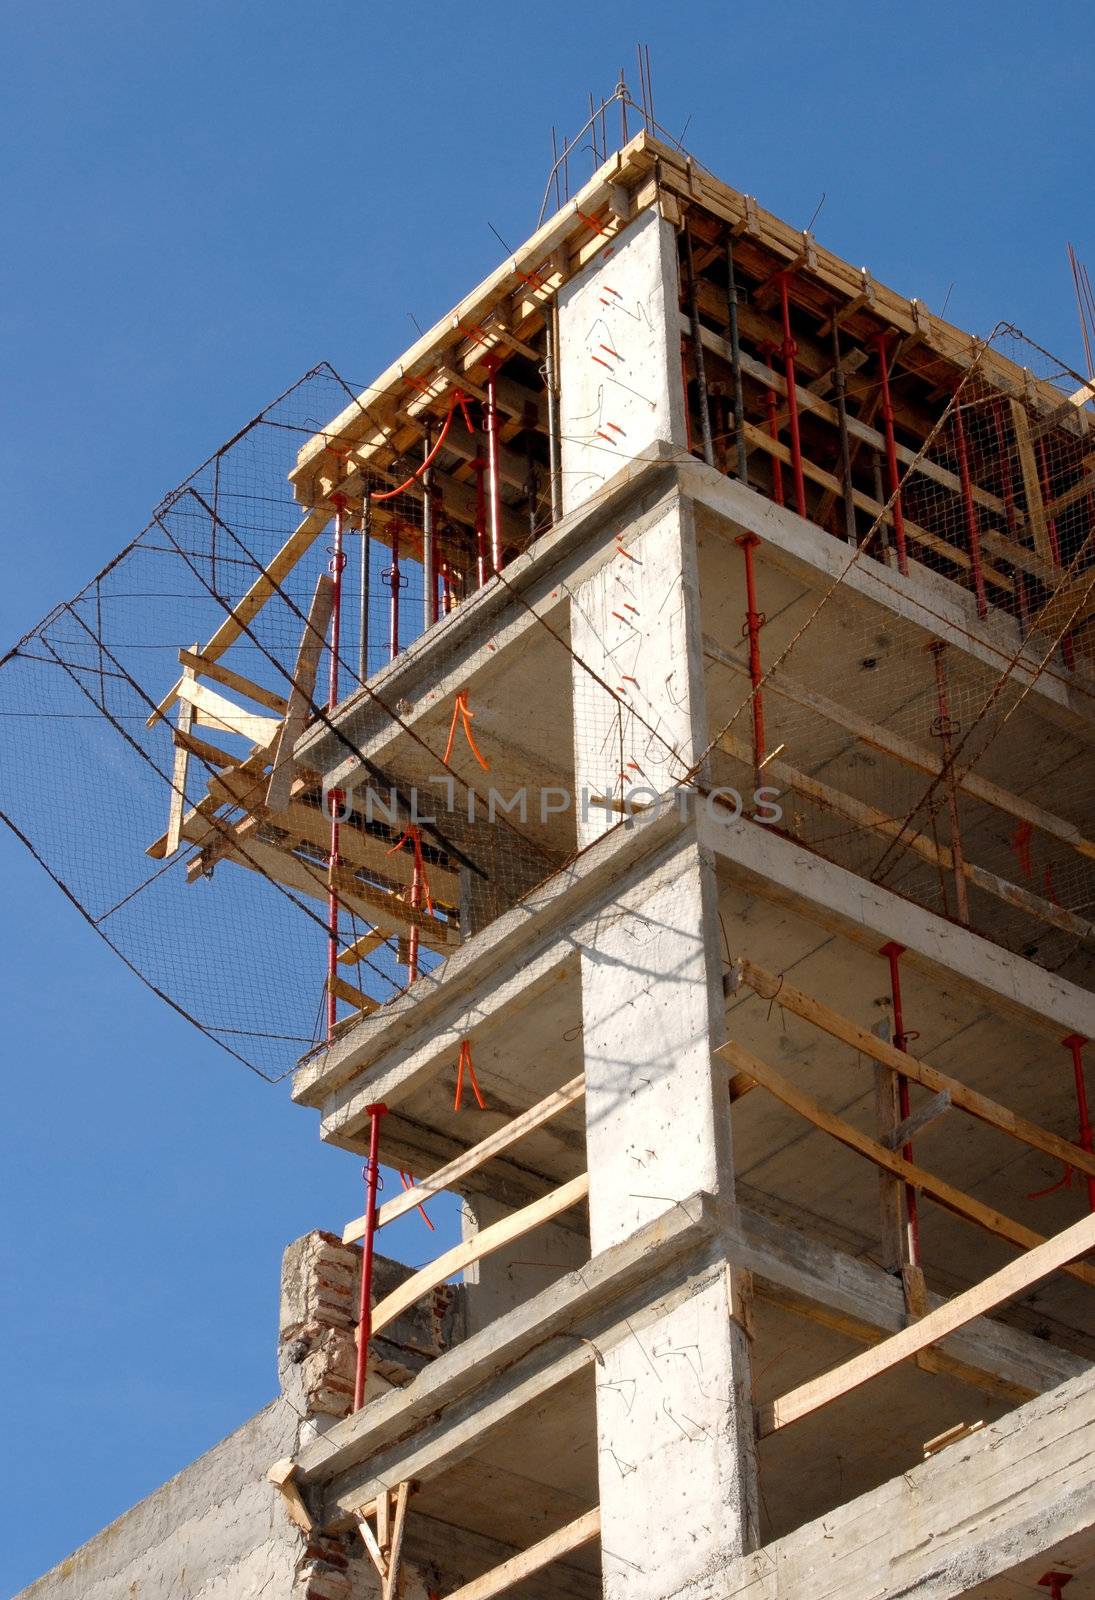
(395, 580)
(551, 383)
(789, 352)
(768, 351)
(371, 1175)
(1074, 1042)
(697, 349)
(893, 953)
(850, 531)
(735, 363)
(480, 521)
(881, 340)
(429, 577)
(338, 561)
(754, 621)
(363, 595)
(944, 728)
(973, 527)
(494, 489)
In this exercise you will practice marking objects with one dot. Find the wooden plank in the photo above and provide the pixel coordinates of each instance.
(213, 710)
(908, 752)
(395, 1546)
(1032, 484)
(918, 1120)
(977, 1105)
(201, 666)
(944, 1194)
(312, 643)
(481, 1244)
(1015, 1278)
(299, 542)
(361, 947)
(538, 1556)
(203, 749)
(870, 1333)
(177, 803)
(503, 1138)
(352, 995)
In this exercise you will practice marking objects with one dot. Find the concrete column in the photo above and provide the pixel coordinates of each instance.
(674, 1411)
(638, 700)
(619, 357)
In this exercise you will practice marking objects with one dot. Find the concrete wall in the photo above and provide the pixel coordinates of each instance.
(218, 1529)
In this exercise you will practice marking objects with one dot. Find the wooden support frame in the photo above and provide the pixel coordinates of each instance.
(768, 986)
(176, 805)
(471, 1160)
(281, 1475)
(202, 667)
(384, 1543)
(944, 1194)
(583, 1530)
(1015, 1278)
(483, 1243)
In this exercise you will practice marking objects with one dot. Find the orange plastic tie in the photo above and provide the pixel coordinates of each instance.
(462, 713)
(464, 1064)
(407, 1180)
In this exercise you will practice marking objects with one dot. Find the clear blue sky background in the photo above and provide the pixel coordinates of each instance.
(201, 201)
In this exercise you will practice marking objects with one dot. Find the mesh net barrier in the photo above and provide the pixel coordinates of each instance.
(147, 722)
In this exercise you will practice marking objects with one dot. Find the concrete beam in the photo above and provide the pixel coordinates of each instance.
(1013, 1491)
(867, 913)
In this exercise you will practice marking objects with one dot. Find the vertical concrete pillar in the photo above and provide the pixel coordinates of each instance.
(619, 357)
(674, 1410)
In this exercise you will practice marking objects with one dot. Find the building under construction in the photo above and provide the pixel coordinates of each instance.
(659, 752)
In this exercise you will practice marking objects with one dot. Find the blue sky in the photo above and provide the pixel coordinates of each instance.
(201, 202)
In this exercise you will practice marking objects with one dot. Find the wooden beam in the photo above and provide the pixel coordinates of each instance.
(503, 1138)
(212, 710)
(1017, 1277)
(352, 995)
(908, 752)
(1032, 483)
(202, 667)
(917, 1120)
(481, 1244)
(312, 643)
(176, 805)
(538, 1556)
(944, 1194)
(767, 985)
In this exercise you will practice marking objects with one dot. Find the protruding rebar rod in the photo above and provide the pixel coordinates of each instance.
(698, 364)
(735, 363)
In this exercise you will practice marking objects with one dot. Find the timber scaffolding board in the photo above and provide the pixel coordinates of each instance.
(380, 438)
